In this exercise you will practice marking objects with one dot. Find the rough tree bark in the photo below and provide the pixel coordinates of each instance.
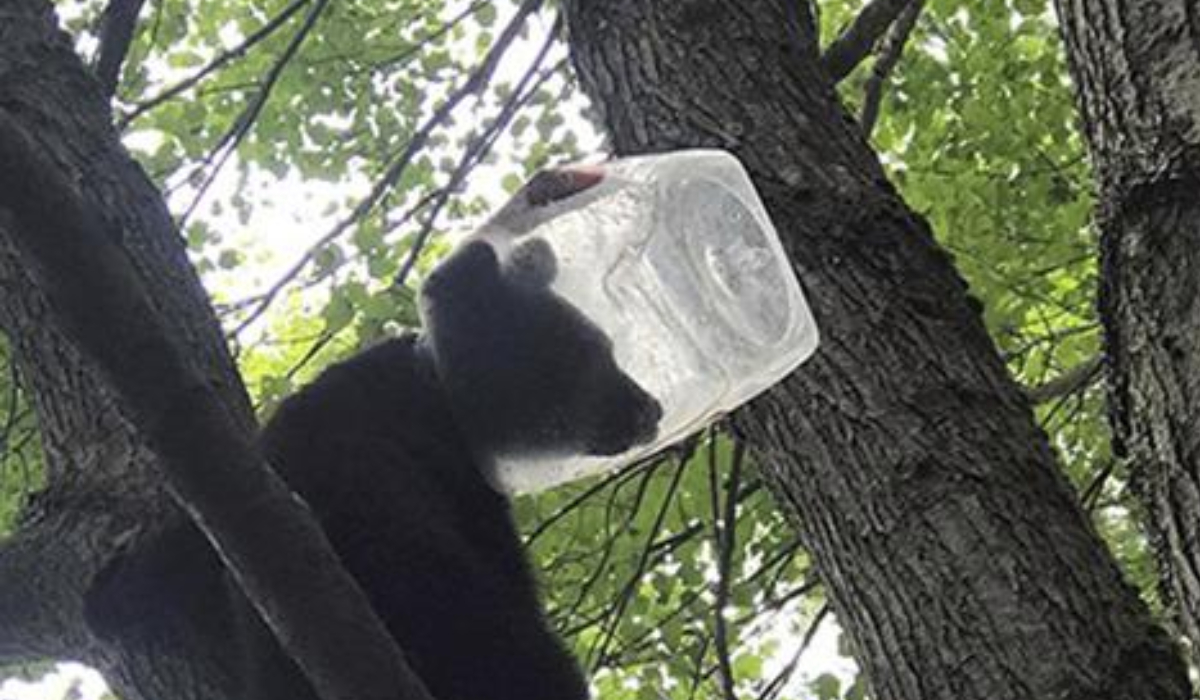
(1137, 74)
(101, 494)
(952, 548)
(84, 255)
(267, 537)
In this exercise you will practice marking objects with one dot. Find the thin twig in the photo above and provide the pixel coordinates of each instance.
(219, 61)
(1091, 495)
(598, 652)
(431, 203)
(266, 31)
(476, 82)
(408, 52)
(477, 149)
(1053, 336)
(1075, 379)
(631, 511)
(769, 606)
(241, 127)
(778, 561)
(724, 537)
(698, 662)
(1079, 397)
(612, 480)
(772, 689)
(889, 56)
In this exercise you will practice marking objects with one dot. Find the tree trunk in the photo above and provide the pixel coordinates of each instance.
(89, 254)
(102, 494)
(952, 548)
(1137, 73)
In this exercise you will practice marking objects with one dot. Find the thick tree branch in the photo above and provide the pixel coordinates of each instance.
(116, 35)
(889, 56)
(858, 40)
(266, 536)
(35, 618)
(103, 490)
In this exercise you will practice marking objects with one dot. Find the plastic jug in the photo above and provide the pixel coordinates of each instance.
(674, 259)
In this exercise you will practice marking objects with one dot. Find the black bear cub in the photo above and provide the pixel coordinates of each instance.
(378, 446)
(374, 449)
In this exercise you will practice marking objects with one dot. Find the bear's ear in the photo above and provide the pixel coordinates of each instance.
(532, 264)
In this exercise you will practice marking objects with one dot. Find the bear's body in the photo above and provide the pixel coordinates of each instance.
(372, 448)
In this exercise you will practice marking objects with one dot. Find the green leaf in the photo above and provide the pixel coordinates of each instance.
(338, 313)
(229, 259)
(486, 14)
(826, 687)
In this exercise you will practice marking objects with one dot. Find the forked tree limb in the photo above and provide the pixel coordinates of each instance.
(266, 535)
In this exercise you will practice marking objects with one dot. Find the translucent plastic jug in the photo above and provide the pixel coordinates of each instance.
(674, 259)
